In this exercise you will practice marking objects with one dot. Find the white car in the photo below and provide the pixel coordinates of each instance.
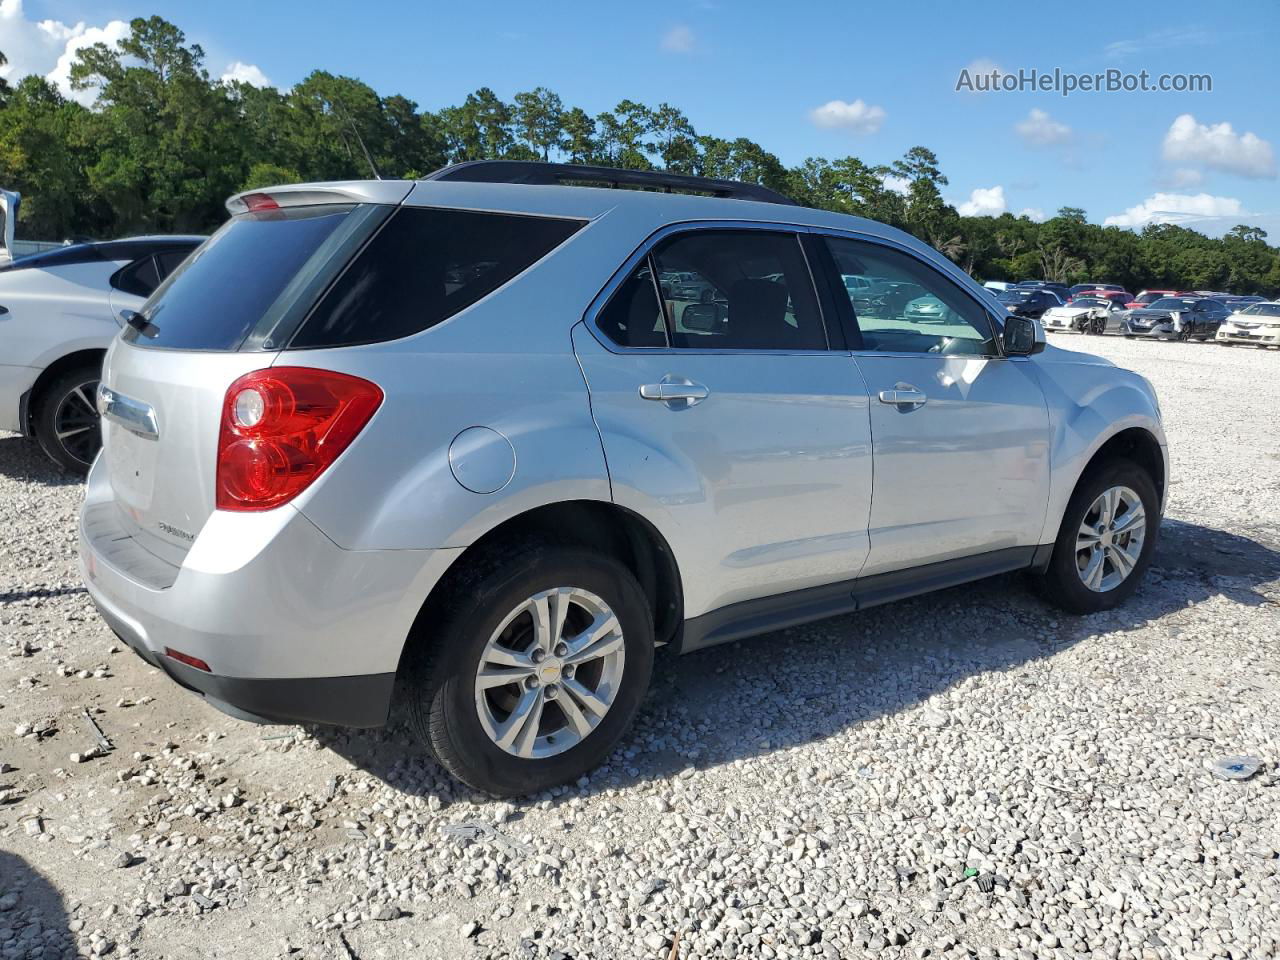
(1258, 323)
(58, 313)
(1081, 315)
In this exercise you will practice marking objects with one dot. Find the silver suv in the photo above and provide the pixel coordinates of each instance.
(480, 443)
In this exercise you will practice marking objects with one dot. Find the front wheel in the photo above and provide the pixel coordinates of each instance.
(1105, 543)
(537, 666)
(65, 418)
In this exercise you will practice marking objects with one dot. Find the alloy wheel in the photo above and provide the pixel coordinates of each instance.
(550, 672)
(1109, 542)
(77, 423)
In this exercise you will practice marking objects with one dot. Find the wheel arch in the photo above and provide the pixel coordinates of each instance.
(54, 370)
(1139, 445)
(595, 524)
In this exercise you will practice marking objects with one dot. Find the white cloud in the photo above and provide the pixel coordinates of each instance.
(679, 39)
(857, 116)
(984, 202)
(1218, 147)
(1041, 130)
(900, 185)
(48, 47)
(1032, 213)
(977, 76)
(1176, 208)
(1169, 38)
(245, 73)
(111, 34)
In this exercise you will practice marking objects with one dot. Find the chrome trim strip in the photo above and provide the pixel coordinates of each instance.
(134, 415)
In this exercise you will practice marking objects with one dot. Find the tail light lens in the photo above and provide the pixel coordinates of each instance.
(282, 427)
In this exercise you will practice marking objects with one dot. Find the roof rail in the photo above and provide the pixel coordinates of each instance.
(539, 172)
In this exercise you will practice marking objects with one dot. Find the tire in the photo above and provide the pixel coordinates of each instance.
(1062, 582)
(449, 713)
(67, 403)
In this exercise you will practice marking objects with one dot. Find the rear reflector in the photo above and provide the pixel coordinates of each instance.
(189, 660)
(282, 427)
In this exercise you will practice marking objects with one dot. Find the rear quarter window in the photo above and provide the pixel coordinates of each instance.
(139, 278)
(424, 266)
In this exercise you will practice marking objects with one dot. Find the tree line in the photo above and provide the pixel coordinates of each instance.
(164, 145)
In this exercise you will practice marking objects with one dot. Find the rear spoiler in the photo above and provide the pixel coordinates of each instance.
(314, 194)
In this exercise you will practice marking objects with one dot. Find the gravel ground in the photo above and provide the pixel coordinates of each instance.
(965, 774)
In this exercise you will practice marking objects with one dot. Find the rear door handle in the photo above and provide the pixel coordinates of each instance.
(675, 392)
(903, 395)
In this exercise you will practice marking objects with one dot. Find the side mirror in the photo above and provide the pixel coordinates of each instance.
(702, 317)
(1022, 336)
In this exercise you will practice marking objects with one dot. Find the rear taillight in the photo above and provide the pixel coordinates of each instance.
(281, 427)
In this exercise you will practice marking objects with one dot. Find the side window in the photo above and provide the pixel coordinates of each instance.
(138, 278)
(739, 290)
(424, 266)
(168, 261)
(907, 306)
(633, 316)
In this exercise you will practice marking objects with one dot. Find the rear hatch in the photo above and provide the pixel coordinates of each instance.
(226, 311)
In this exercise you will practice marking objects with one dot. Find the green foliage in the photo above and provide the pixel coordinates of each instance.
(269, 175)
(164, 145)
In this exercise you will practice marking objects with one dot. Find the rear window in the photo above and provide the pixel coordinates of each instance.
(424, 266)
(247, 271)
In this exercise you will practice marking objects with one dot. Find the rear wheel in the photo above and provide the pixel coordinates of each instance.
(65, 418)
(535, 670)
(1106, 540)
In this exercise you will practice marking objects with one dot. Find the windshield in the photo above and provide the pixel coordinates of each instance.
(1089, 302)
(1262, 310)
(1017, 296)
(1172, 303)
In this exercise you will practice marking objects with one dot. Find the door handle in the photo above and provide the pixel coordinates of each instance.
(903, 395)
(676, 392)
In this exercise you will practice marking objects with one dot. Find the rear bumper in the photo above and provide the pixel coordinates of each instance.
(292, 627)
(359, 701)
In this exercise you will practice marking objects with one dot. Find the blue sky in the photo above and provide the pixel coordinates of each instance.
(761, 70)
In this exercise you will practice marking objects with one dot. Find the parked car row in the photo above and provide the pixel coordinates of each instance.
(1106, 308)
(1171, 318)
